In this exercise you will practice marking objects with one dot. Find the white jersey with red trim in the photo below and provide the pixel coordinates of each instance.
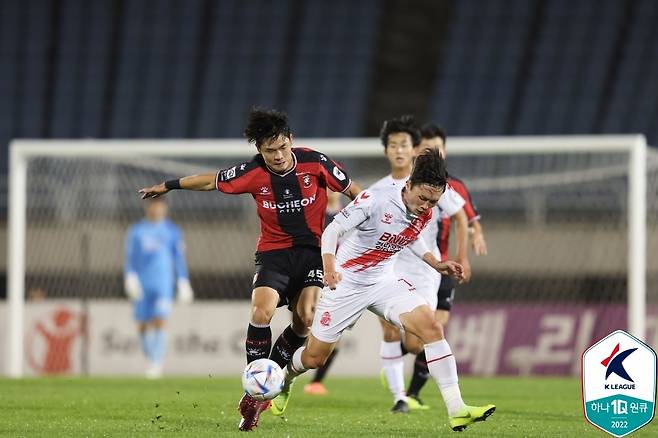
(409, 264)
(383, 227)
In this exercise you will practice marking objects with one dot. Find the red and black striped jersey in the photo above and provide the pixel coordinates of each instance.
(291, 206)
(443, 236)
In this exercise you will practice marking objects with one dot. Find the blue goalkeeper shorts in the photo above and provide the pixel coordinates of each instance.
(153, 306)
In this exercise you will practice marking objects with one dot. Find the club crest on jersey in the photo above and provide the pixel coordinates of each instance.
(306, 179)
(325, 319)
(388, 218)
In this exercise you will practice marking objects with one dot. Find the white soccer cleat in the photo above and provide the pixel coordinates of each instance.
(154, 371)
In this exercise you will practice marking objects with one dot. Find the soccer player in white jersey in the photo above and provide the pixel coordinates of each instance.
(361, 276)
(401, 139)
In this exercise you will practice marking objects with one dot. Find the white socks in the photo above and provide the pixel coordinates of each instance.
(393, 365)
(296, 362)
(443, 368)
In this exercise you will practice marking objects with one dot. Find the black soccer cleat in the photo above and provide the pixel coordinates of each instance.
(400, 407)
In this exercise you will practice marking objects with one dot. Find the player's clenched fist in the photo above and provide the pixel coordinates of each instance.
(331, 279)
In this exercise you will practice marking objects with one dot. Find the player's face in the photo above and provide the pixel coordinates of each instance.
(277, 153)
(421, 197)
(399, 150)
(431, 144)
(156, 210)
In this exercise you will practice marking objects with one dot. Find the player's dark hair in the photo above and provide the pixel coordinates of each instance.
(400, 124)
(429, 168)
(266, 124)
(431, 130)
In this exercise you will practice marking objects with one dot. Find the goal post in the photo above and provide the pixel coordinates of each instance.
(359, 152)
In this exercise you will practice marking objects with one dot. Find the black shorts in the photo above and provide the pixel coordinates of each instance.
(446, 293)
(288, 271)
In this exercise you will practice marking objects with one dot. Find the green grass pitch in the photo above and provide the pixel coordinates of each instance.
(199, 407)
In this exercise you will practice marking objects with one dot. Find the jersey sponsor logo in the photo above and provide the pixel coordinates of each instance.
(294, 206)
(388, 218)
(387, 245)
(243, 166)
(287, 194)
(323, 158)
(339, 174)
(264, 190)
(325, 319)
(389, 242)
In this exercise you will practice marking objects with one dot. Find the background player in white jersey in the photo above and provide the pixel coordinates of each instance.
(434, 138)
(361, 276)
(401, 139)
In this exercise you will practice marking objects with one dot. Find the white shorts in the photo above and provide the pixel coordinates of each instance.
(426, 286)
(338, 310)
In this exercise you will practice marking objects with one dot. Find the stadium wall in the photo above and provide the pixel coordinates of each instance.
(208, 338)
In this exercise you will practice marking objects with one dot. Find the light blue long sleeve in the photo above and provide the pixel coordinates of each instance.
(155, 251)
(179, 254)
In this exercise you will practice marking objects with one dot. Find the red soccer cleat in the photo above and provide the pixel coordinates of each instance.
(315, 388)
(250, 409)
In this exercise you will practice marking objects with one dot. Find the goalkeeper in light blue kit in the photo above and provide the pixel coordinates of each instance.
(154, 265)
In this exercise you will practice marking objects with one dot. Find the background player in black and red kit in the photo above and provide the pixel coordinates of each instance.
(289, 186)
(434, 138)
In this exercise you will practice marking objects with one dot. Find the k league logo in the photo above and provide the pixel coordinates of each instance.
(619, 383)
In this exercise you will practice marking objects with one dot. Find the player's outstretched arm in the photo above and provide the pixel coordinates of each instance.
(204, 182)
(462, 243)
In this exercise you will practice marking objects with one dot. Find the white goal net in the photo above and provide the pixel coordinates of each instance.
(568, 221)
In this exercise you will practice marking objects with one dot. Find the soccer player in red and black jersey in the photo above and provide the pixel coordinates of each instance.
(433, 138)
(289, 186)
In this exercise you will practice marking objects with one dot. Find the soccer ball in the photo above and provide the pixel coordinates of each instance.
(263, 379)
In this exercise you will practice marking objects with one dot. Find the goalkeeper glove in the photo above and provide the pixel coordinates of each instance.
(185, 291)
(132, 286)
